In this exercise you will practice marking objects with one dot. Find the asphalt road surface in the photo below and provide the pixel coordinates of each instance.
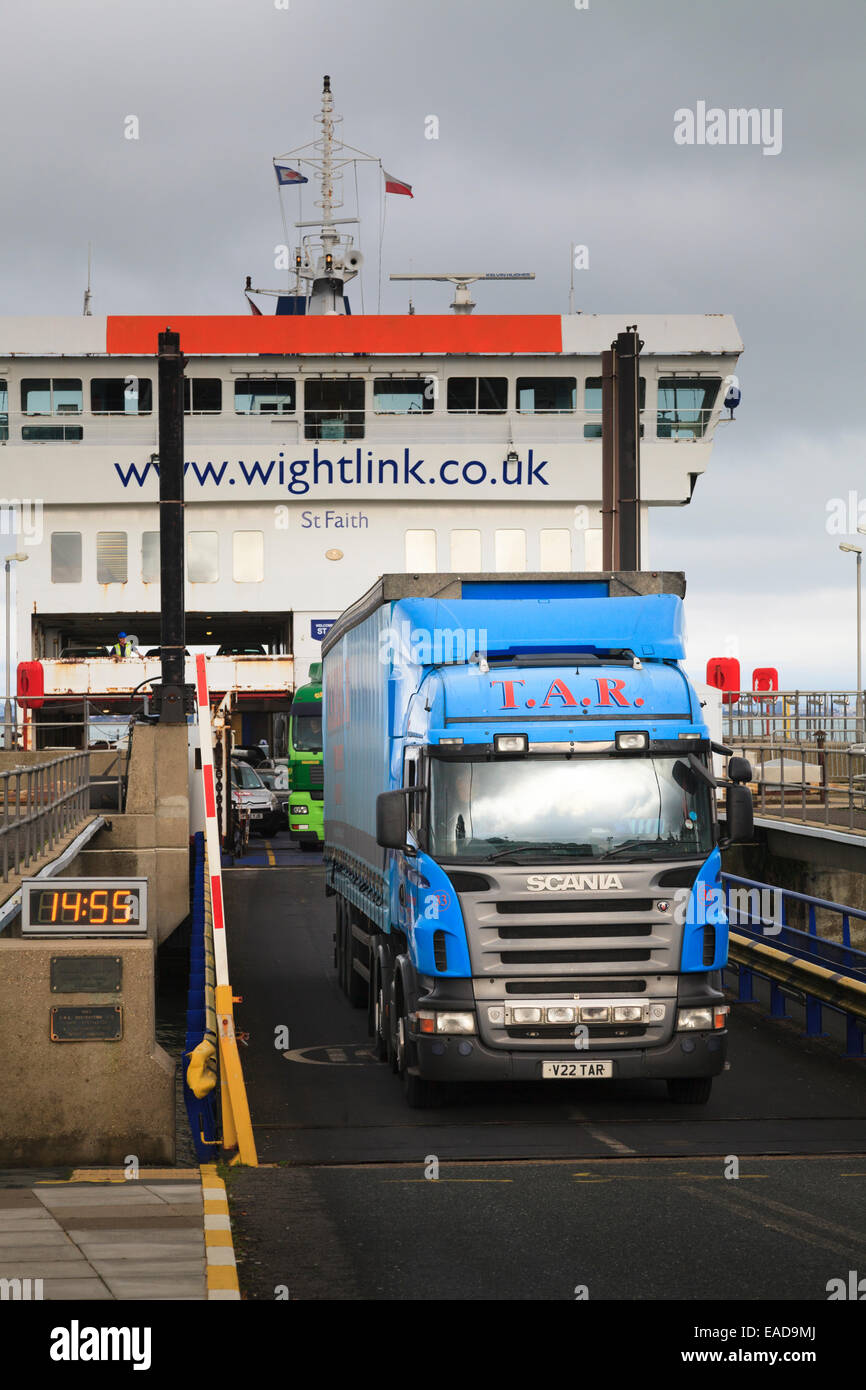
(530, 1191)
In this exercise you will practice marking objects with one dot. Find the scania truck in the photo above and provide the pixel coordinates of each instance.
(521, 831)
(306, 806)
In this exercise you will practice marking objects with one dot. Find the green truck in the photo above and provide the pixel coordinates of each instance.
(306, 771)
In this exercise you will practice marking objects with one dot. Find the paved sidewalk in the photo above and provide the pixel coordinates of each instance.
(101, 1236)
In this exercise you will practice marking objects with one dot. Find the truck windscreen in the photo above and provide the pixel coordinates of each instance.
(581, 808)
(307, 732)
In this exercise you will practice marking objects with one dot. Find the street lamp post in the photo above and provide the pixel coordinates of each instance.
(9, 720)
(857, 550)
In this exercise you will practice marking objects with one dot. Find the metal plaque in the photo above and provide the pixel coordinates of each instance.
(90, 1023)
(86, 974)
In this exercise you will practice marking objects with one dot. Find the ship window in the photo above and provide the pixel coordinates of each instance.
(121, 395)
(555, 549)
(51, 396)
(685, 405)
(546, 395)
(406, 396)
(477, 395)
(202, 557)
(420, 552)
(334, 408)
(510, 551)
(44, 433)
(150, 557)
(265, 396)
(111, 566)
(65, 557)
(4, 410)
(592, 405)
(248, 557)
(466, 551)
(202, 395)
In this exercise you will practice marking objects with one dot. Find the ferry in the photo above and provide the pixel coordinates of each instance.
(323, 447)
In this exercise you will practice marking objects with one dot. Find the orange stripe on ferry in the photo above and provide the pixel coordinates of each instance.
(133, 335)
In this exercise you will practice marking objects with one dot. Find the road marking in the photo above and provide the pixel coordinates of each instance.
(798, 1214)
(271, 859)
(614, 1144)
(431, 1181)
(731, 1204)
(337, 1054)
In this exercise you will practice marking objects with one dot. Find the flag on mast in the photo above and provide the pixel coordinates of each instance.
(285, 174)
(393, 185)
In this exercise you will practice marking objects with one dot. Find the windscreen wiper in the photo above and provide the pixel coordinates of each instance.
(542, 851)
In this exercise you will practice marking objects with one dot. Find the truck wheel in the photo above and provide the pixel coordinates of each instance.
(378, 1018)
(690, 1090)
(420, 1093)
(340, 951)
(356, 985)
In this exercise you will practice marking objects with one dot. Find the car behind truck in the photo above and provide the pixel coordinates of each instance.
(521, 831)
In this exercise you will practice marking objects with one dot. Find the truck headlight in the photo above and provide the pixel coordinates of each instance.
(561, 1013)
(526, 1015)
(445, 1021)
(628, 1013)
(595, 1013)
(300, 810)
(690, 1019)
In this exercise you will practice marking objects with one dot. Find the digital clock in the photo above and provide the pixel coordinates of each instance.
(84, 907)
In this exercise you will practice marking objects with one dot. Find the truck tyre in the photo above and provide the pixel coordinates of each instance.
(356, 985)
(378, 1014)
(690, 1090)
(420, 1093)
(341, 943)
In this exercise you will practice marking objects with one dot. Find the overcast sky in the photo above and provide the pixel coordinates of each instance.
(556, 125)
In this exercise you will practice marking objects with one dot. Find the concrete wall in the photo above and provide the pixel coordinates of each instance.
(81, 1102)
(151, 839)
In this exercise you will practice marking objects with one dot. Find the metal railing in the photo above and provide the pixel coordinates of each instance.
(818, 971)
(41, 804)
(794, 716)
(809, 783)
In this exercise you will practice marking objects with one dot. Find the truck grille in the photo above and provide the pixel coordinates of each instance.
(317, 775)
(537, 945)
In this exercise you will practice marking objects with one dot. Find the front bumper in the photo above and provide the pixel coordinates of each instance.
(465, 1058)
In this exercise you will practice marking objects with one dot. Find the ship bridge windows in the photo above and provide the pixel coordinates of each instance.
(685, 405)
(111, 557)
(65, 557)
(51, 396)
(420, 552)
(121, 395)
(248, 557)
(202, 395)
(477, 395)
(4, 410)
(404, 395)
(334, 408)
(592, 406)
(546, 395)
(265, 396)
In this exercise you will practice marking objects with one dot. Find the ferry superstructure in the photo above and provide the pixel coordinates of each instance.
(324, 447)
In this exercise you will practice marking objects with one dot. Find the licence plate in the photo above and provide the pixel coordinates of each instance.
(256, 815)
(575, 1071)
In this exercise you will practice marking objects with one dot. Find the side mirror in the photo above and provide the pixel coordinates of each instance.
(740, 770)
(739, 813)
(392, 820)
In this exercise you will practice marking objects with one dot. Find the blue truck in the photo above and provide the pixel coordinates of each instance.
(521, 831)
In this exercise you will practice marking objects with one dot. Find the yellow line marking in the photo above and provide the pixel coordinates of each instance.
(218, 1238)
(222, 1275)
(271, 859)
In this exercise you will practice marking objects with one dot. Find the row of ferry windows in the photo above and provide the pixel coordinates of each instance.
(112, 557)
(334, 406)
(248, 554)
(464, 554)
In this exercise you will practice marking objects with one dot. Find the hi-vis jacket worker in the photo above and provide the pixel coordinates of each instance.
(123, 645)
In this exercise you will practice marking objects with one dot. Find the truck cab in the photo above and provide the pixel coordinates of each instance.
(552, 852)
(306, 776)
